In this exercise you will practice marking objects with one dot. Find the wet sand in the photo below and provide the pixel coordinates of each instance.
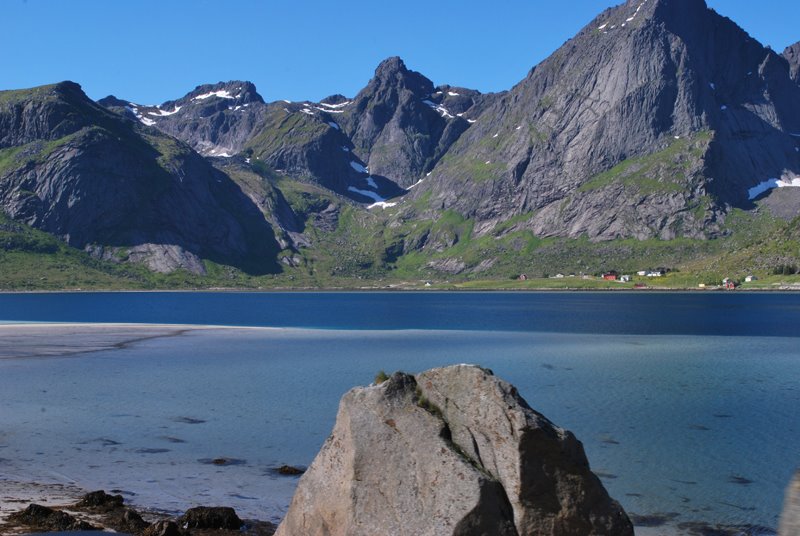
(23, 340)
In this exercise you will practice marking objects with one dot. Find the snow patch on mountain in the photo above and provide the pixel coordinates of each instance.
(358, 167)
(222, 94)
(366, 193)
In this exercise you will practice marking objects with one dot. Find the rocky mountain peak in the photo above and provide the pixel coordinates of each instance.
(390, 66)
(234, 92)
(335, 99)
(792, 55)
(393, 72)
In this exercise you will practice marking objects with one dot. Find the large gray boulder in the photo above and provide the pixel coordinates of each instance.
(451, 451)
(790, 519)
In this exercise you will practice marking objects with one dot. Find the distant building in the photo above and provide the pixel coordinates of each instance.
(750, 279)
(610, 276)
(655, 273)
(559, 276)
(728, 284)
(523, 277)
(641, 273)
(625, 278)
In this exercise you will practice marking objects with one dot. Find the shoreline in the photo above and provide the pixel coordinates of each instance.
(400, 288)
(17, 495)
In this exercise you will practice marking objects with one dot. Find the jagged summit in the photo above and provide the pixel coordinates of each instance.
(648, 79)
(236, 91)
(392, 72)
(215, 119)
(792, 55)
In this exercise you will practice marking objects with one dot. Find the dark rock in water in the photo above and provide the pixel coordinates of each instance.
(128, 521)
(162, 528)
(736, 479)
(189, 420)
(100, 500)
(790, 519)
(697, 528)
(652, 520)
(222, 461)
(44, 518)
(116, 516)
(216, 517)
(454, 451)
(289, 470)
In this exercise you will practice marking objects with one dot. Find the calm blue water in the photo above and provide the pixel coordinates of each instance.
(686, 403)
(645, 313)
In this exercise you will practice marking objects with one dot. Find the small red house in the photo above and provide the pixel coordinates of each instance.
(610, 276)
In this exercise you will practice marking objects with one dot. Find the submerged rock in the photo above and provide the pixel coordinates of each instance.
(790, 519)
(205, 517)
(100, 500)
(452, 451)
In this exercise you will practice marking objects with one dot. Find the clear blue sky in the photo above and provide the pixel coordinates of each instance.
(150, 51)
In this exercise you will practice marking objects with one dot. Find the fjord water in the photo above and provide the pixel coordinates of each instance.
(686, 403)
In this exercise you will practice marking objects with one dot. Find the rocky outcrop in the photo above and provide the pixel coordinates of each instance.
(121, 190)
(790, 519)
(451, 451)
(401, 125)
(211, 517)
(43, 518)
(792, 55)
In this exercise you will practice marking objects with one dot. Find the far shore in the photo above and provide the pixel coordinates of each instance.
(472, 286)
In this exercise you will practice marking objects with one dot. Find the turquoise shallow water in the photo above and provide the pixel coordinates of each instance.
(701, 427)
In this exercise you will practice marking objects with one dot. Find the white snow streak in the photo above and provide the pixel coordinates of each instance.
(769, 184)
(335, 106)
(382, 204)
(164, 113)
(222, 94)
(366, 193)
(358, 167)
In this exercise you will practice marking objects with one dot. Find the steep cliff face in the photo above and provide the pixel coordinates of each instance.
(401, 125)
(792, 55)
(122, 190)
(651, 120)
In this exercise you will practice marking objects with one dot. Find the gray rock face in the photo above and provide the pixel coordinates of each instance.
(618, 94)
(401, 125)
(120, 190)
(792, 55)
(452, 451)
(790, 519)
(214, 119)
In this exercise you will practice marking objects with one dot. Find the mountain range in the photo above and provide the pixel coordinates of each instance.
(661, 133)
